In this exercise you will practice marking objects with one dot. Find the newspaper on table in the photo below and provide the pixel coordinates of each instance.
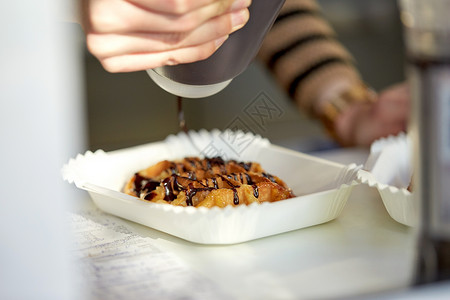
(116, 263)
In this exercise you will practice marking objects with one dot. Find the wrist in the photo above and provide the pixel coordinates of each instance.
(338, 113)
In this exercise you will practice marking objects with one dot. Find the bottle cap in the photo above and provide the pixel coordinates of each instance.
(186, 90)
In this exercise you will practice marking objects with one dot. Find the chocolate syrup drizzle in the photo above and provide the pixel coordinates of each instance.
(182, 122)
(144, 187)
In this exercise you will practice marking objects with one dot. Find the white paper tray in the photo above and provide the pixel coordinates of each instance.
(389, 170)
(322, 187)
(399, 202)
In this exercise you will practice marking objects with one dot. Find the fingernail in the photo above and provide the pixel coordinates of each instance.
(240, 4)
(239, 18)
(220, 41)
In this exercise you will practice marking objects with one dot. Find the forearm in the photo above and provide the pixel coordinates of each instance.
(302, 52)
(311, 64)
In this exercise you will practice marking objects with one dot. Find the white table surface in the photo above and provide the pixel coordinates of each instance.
(362, 252)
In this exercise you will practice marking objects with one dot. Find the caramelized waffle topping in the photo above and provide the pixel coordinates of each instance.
(207, 182)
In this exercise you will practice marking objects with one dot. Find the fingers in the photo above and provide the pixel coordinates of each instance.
(172, 6)
(393, 105)
(391, 110)
(362, 124)
(118, 16)
(375, 131)
(133, 35)
(383, 119)
(137, 62)
(108, 45)
(180, 7)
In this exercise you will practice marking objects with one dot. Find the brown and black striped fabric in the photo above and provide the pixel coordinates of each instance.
(304, 55)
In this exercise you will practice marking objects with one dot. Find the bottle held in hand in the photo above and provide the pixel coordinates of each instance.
(208, 77)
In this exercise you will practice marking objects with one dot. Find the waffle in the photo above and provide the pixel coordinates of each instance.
(206, 182)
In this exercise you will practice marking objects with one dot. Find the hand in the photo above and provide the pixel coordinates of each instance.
(134, 35)
(362, 124)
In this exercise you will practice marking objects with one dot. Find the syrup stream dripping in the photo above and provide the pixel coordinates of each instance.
(181, 120)
(182, 123)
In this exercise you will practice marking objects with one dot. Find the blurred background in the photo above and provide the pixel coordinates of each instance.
(129, 109)
(42, 123)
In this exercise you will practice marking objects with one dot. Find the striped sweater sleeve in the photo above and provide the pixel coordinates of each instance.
(302, 52)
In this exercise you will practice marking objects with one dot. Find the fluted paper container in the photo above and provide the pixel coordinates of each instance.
(322, 187)
(389, 170)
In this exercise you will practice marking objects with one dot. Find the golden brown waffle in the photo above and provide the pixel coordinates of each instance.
(206, 182)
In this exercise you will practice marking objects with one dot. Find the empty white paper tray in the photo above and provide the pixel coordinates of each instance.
(389, 170)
